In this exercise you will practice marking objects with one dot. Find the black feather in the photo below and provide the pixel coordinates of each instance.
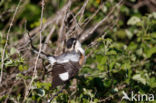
(71, 67)
(70, 42)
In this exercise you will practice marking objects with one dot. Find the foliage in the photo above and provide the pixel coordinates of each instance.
(123, 59)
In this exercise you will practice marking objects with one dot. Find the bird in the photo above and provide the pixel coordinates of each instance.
(66, 65)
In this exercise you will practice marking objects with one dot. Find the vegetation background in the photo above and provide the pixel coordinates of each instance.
(119, 38)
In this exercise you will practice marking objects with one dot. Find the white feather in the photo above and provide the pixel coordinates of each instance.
(67, 58)
(64, 58)
(64, 76)
(79, 48)
(52, 60)
(74, 57)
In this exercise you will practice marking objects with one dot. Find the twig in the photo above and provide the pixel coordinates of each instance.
(86, 21)
(90, 31)
(53, 20)
(78, 24)
(22, 7)
(61, 35)
(13, 99)
(48, 37)
(120, 87)
(35, 71)
(7, 39)
(95, 42)
(10, 90)
(82, 10)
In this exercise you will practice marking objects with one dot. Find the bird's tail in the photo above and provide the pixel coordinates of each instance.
(42, 54)
(35, 50)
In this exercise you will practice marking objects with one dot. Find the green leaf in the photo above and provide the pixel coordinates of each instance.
(138, 78)
(129, 34)
(153, 15)
(111, 52)
(133, 20)
(107, 83)
(150, 51)
(133, 57)
(126, 66)
(152, 82)
(39, 85)
(47, 85)
(111, 65)
(139, 52)
(121, 34)
(9, 63)
(98, 58)
(22, 67)
(104, 60)
(12, 51)
(132, 46)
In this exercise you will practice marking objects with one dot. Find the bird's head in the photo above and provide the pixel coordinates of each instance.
(74, 44)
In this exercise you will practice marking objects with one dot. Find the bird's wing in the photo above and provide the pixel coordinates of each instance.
(64, 72)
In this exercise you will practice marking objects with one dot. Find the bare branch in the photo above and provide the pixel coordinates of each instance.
(7, 39)
(86, 21)
(48, 37)
(81, 12)
(91, 30)
(61, 38)
(35, 71)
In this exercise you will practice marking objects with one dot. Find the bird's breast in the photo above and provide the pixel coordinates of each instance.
(82, 60)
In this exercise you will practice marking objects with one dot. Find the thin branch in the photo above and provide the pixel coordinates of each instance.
(48, 37)
(52, 20)
(87, 20)
(7, 39)
(91, 30)
(95, 42)
(61, 38)
(78, 25)
(35, 71)
(120, 88)
(82, 10)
